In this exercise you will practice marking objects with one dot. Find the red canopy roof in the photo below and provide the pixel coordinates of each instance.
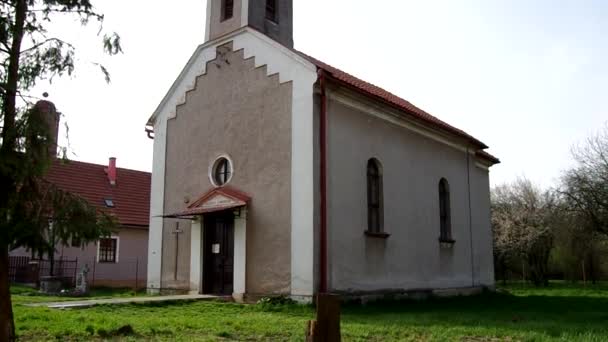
(215, 200)
(130, 195)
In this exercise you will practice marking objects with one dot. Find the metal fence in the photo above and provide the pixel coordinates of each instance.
(27, 270)
(127, 272)
(16, 265)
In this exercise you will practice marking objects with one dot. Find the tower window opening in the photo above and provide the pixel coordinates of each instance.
(227, 9)
(271, 10)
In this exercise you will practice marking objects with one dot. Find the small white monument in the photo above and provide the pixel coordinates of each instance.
(82, 287)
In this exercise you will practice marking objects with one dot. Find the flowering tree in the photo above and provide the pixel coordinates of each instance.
(585, 186)
(523, 221)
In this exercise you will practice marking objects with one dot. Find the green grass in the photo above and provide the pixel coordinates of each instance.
(563, 312)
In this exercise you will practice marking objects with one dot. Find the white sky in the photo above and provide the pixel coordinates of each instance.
(528, 78)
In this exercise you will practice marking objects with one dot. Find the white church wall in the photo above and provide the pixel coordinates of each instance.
(288, 67)
(238, 111)
(157, 195)
(482, 229)
(412, 166)
(293, 68)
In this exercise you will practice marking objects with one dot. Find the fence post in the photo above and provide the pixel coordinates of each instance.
(93, 280)
(136, 274)
(75, 272)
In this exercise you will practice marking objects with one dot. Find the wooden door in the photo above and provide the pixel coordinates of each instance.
(218, 257)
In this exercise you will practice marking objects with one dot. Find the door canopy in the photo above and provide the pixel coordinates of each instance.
(218, 199)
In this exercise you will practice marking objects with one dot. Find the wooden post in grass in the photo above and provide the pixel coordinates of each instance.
(93, 281)
(584, 273)
(136, 274)
(326, 328)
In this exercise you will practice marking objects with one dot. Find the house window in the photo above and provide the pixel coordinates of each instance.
(221, 172)
(227, 9)
(107, 250)
(109, 202)
(271, 10)
(444, 212)
(374, 197)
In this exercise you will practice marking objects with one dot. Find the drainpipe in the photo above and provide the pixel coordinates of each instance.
(323, 181)
(470, 218)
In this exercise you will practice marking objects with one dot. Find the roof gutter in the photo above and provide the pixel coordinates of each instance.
(150, 132)
(480, 145)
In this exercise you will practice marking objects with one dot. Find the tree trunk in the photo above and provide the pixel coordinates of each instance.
(592, 270)
(9, 132)
(7, 324)
(7, 151)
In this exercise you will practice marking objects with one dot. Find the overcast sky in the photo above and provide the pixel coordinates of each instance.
(528, 78)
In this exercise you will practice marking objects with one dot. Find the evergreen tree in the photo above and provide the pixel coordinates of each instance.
(27, 201)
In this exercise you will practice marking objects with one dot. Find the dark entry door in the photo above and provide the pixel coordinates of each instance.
(218, 253)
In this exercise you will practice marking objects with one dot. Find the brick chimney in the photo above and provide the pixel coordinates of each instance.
(50, 116)
(112, 171)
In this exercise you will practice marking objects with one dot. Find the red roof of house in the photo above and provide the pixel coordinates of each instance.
(391, 99)
(131, 194)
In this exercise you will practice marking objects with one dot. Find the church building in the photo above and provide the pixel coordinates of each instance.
(277, 174)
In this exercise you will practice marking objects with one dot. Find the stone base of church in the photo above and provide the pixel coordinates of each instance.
(362, 297)
(167, 292)
(239, 298)
(303, 299)
(153, 292)
(413, 294)
(365, 297)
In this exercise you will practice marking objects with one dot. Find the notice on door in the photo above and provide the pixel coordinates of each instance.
(215, 248)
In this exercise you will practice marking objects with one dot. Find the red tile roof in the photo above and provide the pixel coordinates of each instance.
(385, 96)
(131, 194)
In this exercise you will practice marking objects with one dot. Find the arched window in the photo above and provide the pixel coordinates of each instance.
(444, 211)
(374, 196)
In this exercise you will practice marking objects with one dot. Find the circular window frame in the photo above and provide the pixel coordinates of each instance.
(213, 166)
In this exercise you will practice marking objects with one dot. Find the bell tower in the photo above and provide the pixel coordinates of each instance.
(273, 18)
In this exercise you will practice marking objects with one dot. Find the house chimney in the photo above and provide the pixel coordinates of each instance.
(112, 171)
(49, 115)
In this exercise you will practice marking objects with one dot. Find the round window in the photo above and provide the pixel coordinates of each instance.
(221, 171)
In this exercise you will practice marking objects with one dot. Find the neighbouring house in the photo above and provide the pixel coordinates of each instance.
(121, 259)
(277, 174)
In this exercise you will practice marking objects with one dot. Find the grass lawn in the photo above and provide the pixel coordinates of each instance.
(562, 312)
